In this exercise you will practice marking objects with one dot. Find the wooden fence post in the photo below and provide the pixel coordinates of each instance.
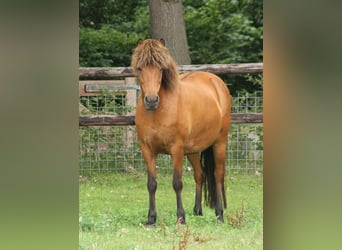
(131, 103)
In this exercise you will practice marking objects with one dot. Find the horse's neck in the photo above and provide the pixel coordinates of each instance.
(170, 93)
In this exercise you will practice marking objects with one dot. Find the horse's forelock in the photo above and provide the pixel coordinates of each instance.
(152, 53)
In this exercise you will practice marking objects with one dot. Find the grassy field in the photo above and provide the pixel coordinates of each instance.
(113, 208)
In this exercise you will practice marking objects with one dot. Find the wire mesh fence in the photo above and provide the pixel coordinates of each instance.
(116, 149)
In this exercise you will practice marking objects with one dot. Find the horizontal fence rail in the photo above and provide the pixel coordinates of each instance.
(105, 120)
(243, 68)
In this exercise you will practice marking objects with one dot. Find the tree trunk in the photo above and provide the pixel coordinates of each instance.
(166, 21)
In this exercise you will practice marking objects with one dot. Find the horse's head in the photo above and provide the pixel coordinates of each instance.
(150, 82)
(156, 69)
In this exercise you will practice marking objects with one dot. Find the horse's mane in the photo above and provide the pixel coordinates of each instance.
(151, 52)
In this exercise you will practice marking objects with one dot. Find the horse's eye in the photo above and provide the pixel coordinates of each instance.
(139, 69)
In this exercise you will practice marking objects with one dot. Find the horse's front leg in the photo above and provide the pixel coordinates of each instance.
(177, 157)
(150, 159)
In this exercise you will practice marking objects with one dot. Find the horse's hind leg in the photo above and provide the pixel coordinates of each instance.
(194, 159)
(219, 172)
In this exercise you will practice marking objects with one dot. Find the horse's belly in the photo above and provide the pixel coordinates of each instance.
(162, 140)
(200, 139)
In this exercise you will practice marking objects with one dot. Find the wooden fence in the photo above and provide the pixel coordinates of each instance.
(105, 73)
(129, 86)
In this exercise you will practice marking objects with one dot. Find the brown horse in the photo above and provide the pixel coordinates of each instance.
(186, 114)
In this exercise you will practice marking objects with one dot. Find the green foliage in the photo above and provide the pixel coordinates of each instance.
(105, 47)
(95, 13)
(223, 32)
(109, 30)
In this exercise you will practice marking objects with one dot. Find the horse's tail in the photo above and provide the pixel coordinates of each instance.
(208, 163)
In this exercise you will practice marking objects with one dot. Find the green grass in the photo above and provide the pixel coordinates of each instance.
(113, 209)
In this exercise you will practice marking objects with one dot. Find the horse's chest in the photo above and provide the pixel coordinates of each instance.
(157, 133)
(157, 137)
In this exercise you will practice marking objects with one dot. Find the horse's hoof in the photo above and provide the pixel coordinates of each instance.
(198, 212)
(149, 225)
(220, 219)
(181, 221)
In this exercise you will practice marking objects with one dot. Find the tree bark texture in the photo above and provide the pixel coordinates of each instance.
(167, 22)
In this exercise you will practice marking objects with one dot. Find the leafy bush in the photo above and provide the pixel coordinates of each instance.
(108, 36)
(105, 47)
(223, 31)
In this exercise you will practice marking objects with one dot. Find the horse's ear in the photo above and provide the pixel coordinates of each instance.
(139, 41)
(162, 41)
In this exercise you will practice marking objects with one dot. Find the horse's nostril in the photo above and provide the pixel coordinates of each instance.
(151, 102)
(146, 99)
(151, 99)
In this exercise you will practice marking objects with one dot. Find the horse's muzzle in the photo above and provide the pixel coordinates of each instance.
(151, 102)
